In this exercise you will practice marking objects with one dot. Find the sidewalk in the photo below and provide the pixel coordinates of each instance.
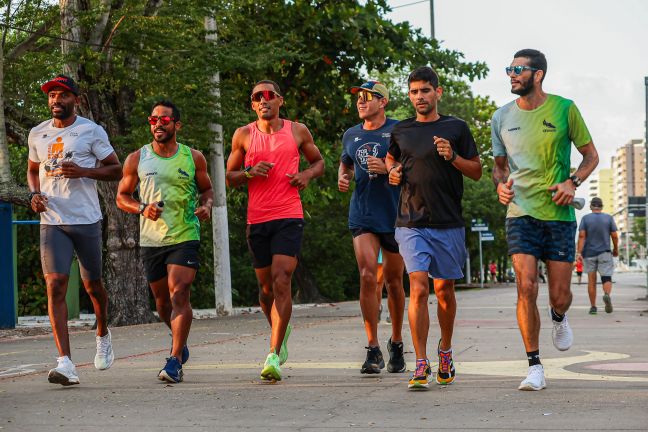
(601, 383)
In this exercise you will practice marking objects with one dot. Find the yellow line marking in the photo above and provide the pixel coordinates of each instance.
(554, 367)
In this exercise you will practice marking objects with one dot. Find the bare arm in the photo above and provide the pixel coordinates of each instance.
(204, 186)
(234, 175)
(128, 183)
(582, 235)
(471, 168)
(38, 202)
(565, 191)
(394, 170)
(311, 153)
(345, 174)
(615, 243)
(109, 169)
(503, 184)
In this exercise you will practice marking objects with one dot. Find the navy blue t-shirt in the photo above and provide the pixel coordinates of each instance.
(374, 202)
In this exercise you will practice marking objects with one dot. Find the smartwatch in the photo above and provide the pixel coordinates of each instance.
(31, 195)
(142, 207)
(454, 156)
(247, 173)
(576, 180)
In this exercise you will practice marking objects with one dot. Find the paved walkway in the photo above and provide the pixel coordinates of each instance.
(601, 383)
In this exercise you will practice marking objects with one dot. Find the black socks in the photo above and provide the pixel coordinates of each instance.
(534, 357)
(556, 317)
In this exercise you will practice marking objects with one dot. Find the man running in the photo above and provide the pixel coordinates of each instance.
(67, 155)
(429, 154)
(532, 138)
(175, 194)
(594, 234)
(372, 214)
(265, 155)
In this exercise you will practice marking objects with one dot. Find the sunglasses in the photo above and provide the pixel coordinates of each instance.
(366, 96)
(165, 120)
(265, 94)
(517, 70)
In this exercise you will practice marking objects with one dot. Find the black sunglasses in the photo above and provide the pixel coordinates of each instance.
(517, 70)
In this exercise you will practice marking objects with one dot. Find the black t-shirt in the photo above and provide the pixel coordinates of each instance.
(431, 188)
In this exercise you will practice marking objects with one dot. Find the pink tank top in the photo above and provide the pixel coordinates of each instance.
(273, 197)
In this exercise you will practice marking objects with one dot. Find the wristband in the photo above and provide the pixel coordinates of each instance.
(454, 156)
(31, 195)
(393, 167)
(247, 173)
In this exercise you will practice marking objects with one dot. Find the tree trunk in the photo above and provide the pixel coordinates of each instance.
(307, 290)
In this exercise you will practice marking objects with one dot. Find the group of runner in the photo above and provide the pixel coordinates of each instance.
(406, 205)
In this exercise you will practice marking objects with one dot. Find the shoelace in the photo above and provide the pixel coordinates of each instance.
(445, 359)
(103, 343)
(421, 368)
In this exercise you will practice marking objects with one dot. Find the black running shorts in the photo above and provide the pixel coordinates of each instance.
(276, 237)
(387, 240)
(156, 259)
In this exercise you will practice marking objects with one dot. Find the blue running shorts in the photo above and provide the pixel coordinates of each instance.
(441, 252)
(545, 240)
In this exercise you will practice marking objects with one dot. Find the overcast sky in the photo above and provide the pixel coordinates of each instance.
(597, 54)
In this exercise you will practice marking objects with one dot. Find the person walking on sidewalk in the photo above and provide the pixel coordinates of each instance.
(175, 194)
(429, 155)
(531, 139)
(265, 155)
(372, 213)
(594, 234)
(67, 155)
(578, 266)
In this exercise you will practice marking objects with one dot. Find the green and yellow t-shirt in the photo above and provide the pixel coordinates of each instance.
(171, 180)
(537, 144)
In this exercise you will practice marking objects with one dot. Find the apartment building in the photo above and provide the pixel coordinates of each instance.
(601, 185)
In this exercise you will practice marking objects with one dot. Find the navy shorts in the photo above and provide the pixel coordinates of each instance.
(545, 240)
(387, 240)
(275, 237)
(441, 252)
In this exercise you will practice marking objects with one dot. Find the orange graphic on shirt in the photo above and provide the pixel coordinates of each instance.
(54, 158)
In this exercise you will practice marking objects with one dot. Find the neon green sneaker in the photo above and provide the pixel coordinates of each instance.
(271, 370)
(283, 353)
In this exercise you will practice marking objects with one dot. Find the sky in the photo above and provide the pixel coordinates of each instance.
(597, 54)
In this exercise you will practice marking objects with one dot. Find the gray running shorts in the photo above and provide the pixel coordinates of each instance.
(602, 263)
(58, 243)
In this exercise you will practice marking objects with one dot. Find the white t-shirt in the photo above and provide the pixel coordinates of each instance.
(70, 201)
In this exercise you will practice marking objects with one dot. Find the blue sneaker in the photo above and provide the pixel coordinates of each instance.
(185, 353)
(172, 371)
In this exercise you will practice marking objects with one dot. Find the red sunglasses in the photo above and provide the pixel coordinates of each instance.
(266, 94)
(165, 120)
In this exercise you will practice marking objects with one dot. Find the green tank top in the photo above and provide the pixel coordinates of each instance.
(171, 180)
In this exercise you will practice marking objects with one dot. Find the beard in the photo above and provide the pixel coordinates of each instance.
(165, 138)
(66, 111)
(525, 88)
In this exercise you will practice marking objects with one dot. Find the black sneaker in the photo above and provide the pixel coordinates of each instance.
(374, 361)
(396, 362)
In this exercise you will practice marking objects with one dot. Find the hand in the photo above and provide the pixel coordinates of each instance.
(443, 147)
(39, 203)
(505, 192)
(396, 175)
(615, 252)
(579, 257)
(563, 192)
(71, 170)
(376, 165)
(153, 212)
(300, 180)
(203, 212)
(261, 169)
(343, 183)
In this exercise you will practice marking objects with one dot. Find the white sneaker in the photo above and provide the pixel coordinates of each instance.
(562, 334)
(535, 379)
(64, 374)
(105, 356)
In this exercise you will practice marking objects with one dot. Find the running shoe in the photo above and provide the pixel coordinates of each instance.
(271, 369)
(105, 356)
(185, 353)
(419, 380)
(608, 303)
(283, 353)
(396, 362)
(374, 361)
(172, 371)
(535, 379)
(64, 373)
(593, 310)
(446, 372)
(562, 334)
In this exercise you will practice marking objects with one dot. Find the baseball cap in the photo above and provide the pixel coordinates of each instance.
(596, 202)
(372, 87)
(61, 81)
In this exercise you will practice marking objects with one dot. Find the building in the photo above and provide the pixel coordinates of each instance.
(601, 185)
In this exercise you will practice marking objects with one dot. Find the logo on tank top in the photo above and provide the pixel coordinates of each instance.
(366, 150)
(55, 156)
(548, 126)
(182, 173)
